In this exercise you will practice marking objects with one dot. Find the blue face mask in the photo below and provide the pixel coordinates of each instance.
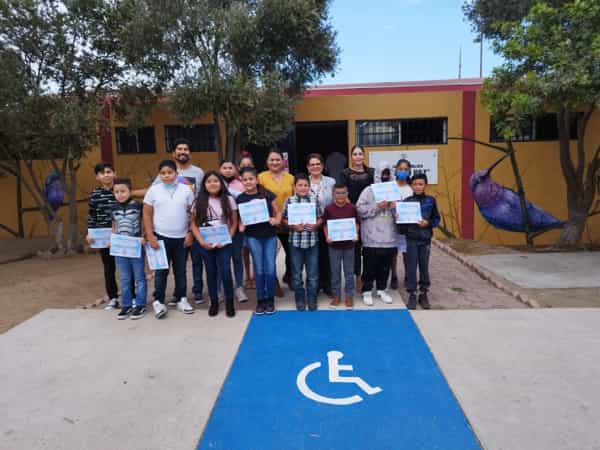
(401, 175)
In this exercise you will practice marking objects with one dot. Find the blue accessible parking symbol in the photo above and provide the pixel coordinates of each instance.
(357, 380)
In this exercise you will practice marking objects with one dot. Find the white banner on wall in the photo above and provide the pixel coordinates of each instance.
(421, 161)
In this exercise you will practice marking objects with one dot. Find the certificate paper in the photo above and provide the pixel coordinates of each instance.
(302, 213)
(388, 191)
(101, 237)
(127, 246)
(408, 212)
(157, 259)
(341, 229)
(218, 234)
(254, 211)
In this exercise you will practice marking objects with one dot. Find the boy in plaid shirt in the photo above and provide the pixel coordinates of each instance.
(304, 250)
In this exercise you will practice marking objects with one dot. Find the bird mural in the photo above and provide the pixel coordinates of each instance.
(501, 206)
(54, 190)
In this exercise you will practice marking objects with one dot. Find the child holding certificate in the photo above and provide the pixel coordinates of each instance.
(418, 242)
(261, 238)
(304, 237)
(341, 253)
(215, 207)
(127, 221)
(166, 217)
(379, 240)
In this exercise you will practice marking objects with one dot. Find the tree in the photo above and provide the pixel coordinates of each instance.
(552, 57)
(243, 62)
(59, 59)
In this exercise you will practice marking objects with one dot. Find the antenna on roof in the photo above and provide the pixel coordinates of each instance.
(460, 61)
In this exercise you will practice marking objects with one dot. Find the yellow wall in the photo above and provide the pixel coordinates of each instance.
(538, 161)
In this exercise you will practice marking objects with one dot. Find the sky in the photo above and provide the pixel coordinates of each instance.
(404, 40)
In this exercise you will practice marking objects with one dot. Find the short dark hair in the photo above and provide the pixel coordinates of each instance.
(167, 163)
(404, 161)
(340, 185)
(252, 170)
(125, 181)
(181, 141)
(301, 176)
(420, 176)
(315, 155)
(101, 166)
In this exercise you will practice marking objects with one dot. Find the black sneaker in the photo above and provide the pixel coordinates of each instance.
(300, 306)
(125, 312)
(260, 307)
(213, 309)
(412, 301)
(424, 301)
(229, 308)
(270, 306)
(138, 312)
(198, 299)
(394, 283)
(312, 306)
(173, 302)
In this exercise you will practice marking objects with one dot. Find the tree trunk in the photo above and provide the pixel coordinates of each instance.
(73, 239)
(573, 228)
(21, 230)
(56, 232)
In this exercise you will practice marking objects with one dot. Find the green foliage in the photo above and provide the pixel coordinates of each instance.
(244, 62)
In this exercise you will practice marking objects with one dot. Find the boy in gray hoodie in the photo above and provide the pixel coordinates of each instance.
(379, 240)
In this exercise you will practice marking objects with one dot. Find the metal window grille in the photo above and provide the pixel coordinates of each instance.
(375, 133)
(139, 141)
(201, 137)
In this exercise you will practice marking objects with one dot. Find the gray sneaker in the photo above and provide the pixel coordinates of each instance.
(113, 303)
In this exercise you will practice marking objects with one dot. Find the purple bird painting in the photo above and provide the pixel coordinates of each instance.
(501, 207)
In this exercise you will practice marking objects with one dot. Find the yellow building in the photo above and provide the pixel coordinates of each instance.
(413, 119)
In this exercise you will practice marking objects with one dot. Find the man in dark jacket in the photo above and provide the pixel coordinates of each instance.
(418, 242)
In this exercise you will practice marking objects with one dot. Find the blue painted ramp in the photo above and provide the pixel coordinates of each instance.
(262, 408)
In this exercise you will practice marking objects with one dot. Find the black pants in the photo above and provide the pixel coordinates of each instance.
(324, 269)
(284, 238)
(377, 264)
(417, 254)
(110, 280)
(176, 257)
(358, 257)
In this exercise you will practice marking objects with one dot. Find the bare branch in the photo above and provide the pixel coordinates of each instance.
(485, 144)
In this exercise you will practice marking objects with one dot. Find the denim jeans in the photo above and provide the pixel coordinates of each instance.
(238, 264)
(194, 251)
(132, 269)
(263, 251)
(377, 263)
(176, 258)
(218, 261)
(308, 257)
(337, 259)
(417, 254)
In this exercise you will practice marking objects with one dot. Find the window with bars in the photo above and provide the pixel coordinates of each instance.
(139, 141)
(375, 133)
(201, 137)
(540, 128)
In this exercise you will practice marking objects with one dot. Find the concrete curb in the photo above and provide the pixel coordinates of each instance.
(495, 281)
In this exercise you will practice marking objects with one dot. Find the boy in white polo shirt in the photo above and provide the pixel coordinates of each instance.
(166, 218)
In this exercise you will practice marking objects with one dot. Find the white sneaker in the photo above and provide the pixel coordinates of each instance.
(113, 303)
(160, 310)
(240, 294)
(384, 297)
(184, 306)
(367, 298)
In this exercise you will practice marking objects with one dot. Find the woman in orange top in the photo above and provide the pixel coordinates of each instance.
(280, 183)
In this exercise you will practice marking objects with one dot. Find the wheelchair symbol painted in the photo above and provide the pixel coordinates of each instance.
(333, 358)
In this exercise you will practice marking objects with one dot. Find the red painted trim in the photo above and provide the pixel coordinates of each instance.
(467, 210)
(388, 90)
(106, 150)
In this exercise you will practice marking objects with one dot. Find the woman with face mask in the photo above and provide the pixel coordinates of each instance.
(402, 176)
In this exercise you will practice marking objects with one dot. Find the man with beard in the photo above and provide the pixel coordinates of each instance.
(191, 176)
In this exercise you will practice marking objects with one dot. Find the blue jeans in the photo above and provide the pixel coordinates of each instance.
(337, 259)
(176, 258)
(194, 251)
(132, 269)
(236, 257)
(308, 257)
(263, 251)
(218, 260)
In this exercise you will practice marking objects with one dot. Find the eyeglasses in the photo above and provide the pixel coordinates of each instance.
(340, 194)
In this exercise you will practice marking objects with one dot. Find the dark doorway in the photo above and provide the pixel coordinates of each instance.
(319, 137)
